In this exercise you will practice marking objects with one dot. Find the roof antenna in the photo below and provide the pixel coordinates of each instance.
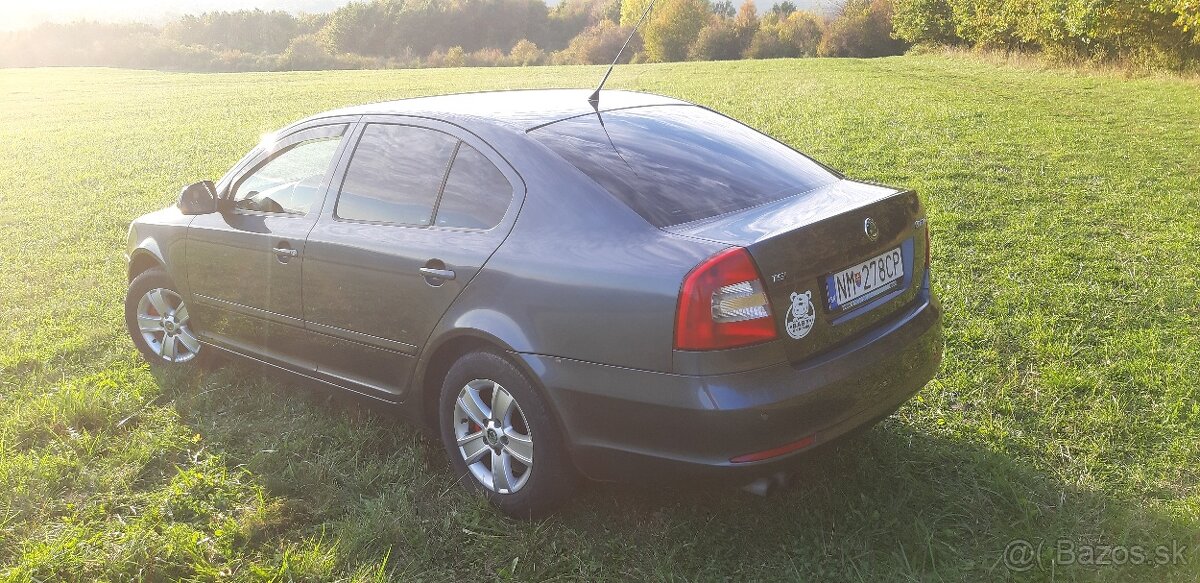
(595, 98)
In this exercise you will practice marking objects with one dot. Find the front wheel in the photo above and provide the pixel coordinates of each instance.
(159, 323)
(502, 438)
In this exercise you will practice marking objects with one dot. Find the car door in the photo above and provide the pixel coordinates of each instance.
(244, 263)
(419, 207)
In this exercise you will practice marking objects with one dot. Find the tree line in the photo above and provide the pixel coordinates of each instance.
(445, 33)
(1161, 34)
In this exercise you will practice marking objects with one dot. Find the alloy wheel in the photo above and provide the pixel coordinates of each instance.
(162, 319)
(493, 436)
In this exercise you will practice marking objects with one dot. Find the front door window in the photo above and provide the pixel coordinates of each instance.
(290, 181)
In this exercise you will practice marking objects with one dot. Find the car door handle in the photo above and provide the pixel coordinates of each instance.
(432, 273)
(285, 251)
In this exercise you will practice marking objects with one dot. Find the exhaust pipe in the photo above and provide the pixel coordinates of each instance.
(767, 485)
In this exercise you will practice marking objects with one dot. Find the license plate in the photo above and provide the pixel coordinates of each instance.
(856, 285)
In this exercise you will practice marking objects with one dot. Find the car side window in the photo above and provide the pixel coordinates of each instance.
(476, 194)
(395, 175)
(290, 181)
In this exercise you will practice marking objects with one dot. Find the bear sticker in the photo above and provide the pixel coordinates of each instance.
(801, 315)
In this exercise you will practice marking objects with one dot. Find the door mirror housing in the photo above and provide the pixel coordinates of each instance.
(199, 198)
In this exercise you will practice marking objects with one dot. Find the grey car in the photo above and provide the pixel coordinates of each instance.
(638, 289)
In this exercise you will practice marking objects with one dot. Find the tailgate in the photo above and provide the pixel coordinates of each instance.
(827, 278)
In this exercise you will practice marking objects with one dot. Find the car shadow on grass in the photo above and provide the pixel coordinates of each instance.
(901, 501)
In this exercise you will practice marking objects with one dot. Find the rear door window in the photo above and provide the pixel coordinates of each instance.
(675, 164)
(395, 175)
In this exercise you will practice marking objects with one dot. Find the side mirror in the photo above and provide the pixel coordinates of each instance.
(199, 198)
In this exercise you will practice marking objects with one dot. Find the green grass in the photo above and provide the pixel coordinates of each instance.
(1065, 211)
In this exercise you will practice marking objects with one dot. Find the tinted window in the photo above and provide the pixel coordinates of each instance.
(674, 164)
(476, 193)
(395, 175)
(290, 181)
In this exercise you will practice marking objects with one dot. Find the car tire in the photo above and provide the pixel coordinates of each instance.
(159, 323)
(492, 452)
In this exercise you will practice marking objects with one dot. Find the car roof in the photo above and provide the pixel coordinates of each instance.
(523, 109)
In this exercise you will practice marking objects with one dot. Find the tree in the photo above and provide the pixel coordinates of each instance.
(361, 28)
(672, 27)
(526, 53)
(801, 31)
(724, 8)
(746, 22)
(306, 53)
(924, 21)
(764, 43)
(718, 41)
(797, 35)
(570, 17)
(456, 57)
(1186, 14)
(1146, 33)
(863, 29)
(598, 44)
(783, 9)
(252, 31)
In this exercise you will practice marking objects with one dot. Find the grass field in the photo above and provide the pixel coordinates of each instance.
(1065, 212)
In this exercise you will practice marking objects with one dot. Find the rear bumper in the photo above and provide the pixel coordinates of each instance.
(625, 424)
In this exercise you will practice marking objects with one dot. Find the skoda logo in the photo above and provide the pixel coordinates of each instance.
(871, 229)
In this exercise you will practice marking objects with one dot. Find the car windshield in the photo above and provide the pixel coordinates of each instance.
(675, 164)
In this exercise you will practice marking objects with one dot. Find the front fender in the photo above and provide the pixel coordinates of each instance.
(140, 254)
(158, 238)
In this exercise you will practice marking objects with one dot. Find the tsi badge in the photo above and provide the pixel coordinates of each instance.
(801, 315)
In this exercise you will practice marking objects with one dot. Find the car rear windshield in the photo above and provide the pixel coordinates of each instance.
(675, 164)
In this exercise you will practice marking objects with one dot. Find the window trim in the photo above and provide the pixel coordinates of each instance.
(432, 225)
(280, 147)
(437, 202)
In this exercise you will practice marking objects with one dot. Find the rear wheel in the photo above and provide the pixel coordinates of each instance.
(501, 437)
(159, 322)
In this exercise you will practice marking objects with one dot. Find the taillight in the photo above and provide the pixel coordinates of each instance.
(723, 304)
(927, 253)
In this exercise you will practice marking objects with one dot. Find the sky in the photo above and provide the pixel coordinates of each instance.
(18, 14)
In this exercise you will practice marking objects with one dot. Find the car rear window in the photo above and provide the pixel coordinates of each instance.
(675, 164)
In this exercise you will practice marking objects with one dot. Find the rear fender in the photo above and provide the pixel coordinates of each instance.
(473, 329)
